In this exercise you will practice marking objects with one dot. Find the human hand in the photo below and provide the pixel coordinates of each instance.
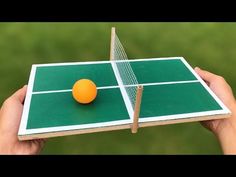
(224, 129)
(10, 116)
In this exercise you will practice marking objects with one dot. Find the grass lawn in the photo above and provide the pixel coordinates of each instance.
(211, 46)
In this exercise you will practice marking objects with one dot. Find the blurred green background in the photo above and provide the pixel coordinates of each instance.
(211, 46)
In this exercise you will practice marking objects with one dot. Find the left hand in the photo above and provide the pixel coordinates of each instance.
(10, 116)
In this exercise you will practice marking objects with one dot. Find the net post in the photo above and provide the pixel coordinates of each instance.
(139, 93)
(112, 45)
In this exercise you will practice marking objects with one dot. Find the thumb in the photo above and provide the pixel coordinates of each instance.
(20, 94)
(205, 75)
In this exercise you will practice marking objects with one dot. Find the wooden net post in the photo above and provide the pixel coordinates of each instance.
(112, 47)
(137, 109)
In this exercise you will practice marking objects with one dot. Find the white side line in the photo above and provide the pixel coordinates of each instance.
(72, 63)
(75, 127)
(24, 117)
(181, 116)
(154, 59)
(121, 122)
(103, 62)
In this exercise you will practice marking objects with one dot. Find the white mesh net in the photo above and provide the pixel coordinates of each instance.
(126, 73)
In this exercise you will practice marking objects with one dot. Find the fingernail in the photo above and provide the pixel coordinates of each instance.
(197, 68)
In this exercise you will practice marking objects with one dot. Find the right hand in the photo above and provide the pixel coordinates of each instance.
(224, 129)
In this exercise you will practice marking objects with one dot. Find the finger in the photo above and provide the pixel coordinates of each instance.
(36, 147)
(44, 140)
(20, 94)
(205, 75)
(42, 143)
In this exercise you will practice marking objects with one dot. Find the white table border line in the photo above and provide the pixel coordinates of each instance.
(24, 131)
(104, 62)
(122, 122)
(24, 117)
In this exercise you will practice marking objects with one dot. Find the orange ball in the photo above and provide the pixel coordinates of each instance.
(84, 91)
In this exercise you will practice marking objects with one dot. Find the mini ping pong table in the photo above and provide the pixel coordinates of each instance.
(173, 93)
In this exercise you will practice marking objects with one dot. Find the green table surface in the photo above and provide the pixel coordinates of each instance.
(60, 109)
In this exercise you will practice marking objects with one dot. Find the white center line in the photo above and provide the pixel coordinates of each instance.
(167, 83)
(110, 87)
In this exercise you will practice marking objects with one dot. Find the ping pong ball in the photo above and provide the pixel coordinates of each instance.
(84, 91)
